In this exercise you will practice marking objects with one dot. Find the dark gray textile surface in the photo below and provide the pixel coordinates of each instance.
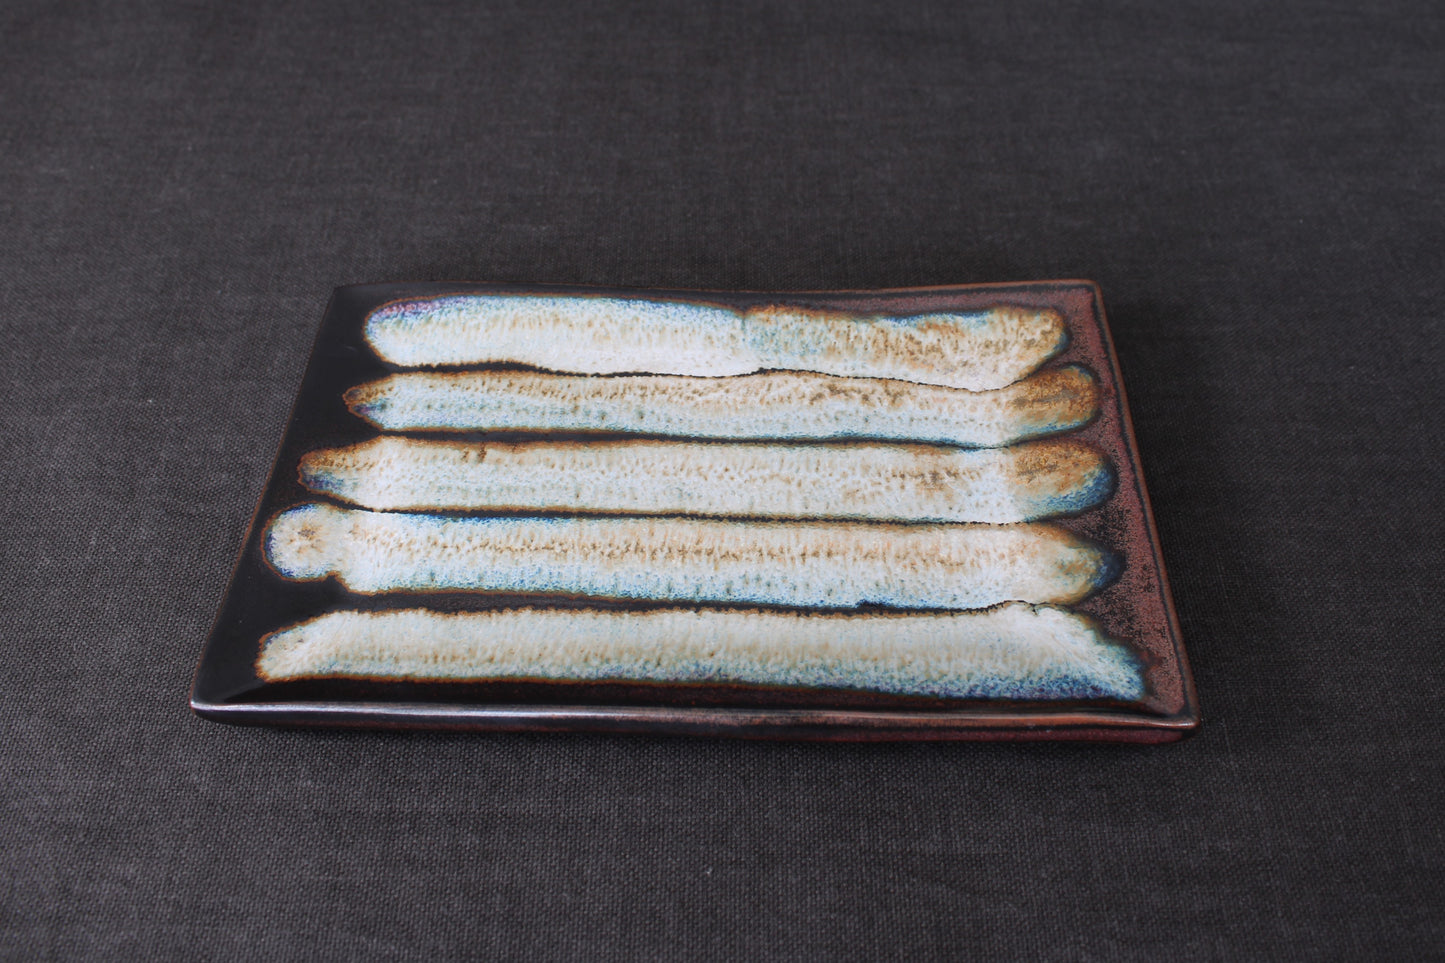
(1258, 189)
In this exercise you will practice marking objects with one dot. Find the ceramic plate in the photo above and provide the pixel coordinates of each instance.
(443, 602)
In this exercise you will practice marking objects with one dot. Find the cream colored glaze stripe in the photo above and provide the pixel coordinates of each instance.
(730, 479)
(1015, 651)
(596, 335)
(772, 405)
(809, 564)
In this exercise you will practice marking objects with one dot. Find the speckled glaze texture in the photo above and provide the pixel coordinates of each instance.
(810, 564)
(599, 335)
(864, 481)
(497, 556)
(788, 405)
(1013, 651)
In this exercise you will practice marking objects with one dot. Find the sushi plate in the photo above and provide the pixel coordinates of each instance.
(266, 603)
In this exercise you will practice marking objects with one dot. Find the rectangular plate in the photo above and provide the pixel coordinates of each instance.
(1136, 609)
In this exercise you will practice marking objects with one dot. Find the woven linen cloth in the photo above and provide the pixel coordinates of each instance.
(1258, 190)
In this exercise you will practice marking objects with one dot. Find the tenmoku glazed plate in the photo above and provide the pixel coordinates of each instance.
(908, 514)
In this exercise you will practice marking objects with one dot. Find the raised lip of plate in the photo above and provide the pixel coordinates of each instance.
(823, 724)
(1111, 725)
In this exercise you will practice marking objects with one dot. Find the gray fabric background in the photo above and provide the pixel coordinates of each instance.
(1257, 188)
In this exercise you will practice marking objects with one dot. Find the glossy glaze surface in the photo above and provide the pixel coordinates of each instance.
(440, 547)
